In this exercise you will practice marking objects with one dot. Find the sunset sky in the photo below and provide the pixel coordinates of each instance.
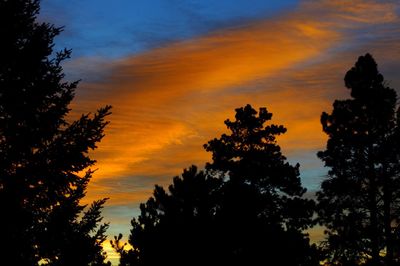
(174, 70)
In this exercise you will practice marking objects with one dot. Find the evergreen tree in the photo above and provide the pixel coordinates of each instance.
(41, 153)
(246, 209)
(175, 228)
(359, 201)
(262, 214)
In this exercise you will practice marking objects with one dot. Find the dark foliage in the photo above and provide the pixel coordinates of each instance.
(245, 210)
(41, 153)
(359, 201)
(175, 228)
(261, 212)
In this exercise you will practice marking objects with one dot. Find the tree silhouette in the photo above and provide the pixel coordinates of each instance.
(261, 214)
(175, 228)
(41, 153)
(245, 210)
(359, 201)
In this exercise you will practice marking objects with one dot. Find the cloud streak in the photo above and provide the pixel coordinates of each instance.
(179, 94)
(170, 100)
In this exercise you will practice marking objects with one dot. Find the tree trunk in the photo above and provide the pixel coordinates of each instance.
(374, 233)
(387, 199)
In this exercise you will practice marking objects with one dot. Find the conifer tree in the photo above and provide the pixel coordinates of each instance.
(245, 209)
(359, 201)
(42, 153)
(262, 214)
(175, 227)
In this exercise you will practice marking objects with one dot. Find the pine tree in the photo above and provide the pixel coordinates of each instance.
(359, 201)
(41, 153)
(246, 209)
(262, 214)
(175, 227)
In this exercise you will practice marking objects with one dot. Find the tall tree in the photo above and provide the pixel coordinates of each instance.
(246, 209)
(359, 201)
(262, 214)
(41, 153)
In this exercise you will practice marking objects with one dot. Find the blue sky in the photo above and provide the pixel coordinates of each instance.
(114, 29)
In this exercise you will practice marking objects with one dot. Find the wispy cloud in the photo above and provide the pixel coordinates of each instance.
(170, 100)
(181, 93)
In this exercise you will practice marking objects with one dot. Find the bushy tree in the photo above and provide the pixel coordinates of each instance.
(175, 227)
(262, 214)
(246, 209)
(359, 201)
(42, 154)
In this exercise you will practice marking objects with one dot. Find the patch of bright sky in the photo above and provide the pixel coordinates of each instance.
(116, 28)
(312, 170)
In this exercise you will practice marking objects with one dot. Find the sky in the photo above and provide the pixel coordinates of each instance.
(174, 70)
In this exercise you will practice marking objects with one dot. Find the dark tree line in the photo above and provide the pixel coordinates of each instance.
(247, 207)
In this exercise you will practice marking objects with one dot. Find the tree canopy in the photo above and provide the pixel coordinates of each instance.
(262, 214)
(245, 209)
(176, 227)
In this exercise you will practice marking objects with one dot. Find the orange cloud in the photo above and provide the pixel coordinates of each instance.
(177, 94)
(359, 11)
(171, 100)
